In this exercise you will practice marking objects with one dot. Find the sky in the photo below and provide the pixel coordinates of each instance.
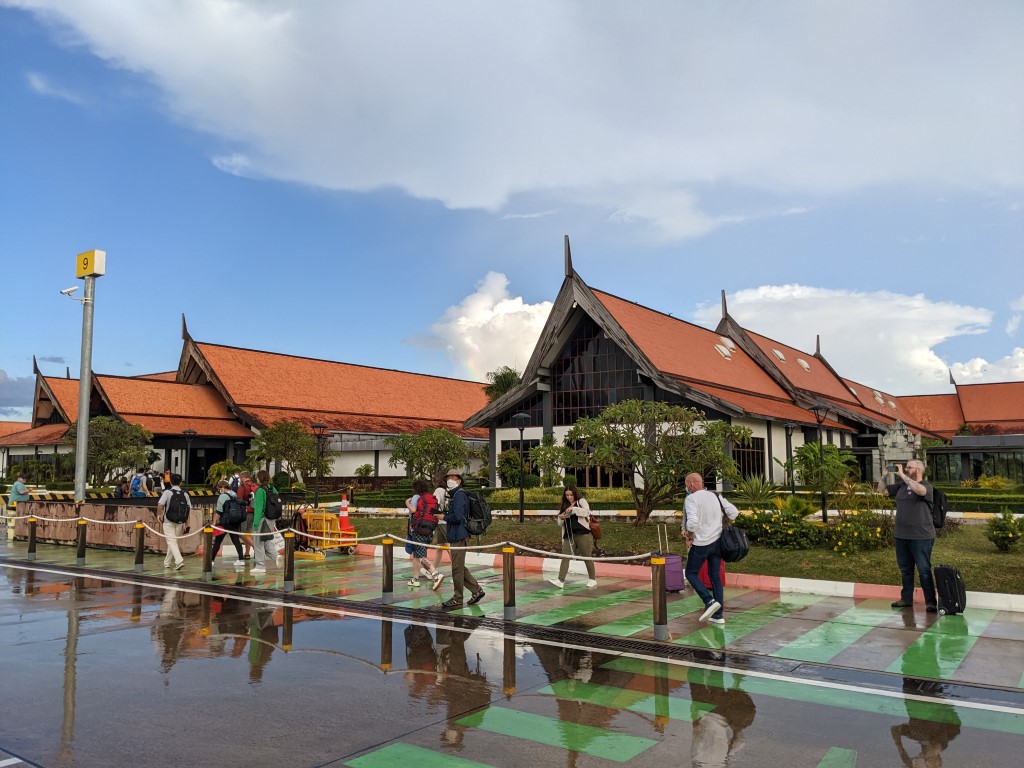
(388, 183)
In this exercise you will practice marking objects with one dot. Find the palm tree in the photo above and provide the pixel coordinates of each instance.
(500, 382)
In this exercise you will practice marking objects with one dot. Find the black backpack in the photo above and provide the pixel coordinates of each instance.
(478, 513)
(274, 508)
(177, 508)
(939, 507)
(232, 513)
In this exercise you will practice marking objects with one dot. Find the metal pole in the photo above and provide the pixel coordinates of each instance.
(319, 455)
(84, 392)
(508, 570)
(522, 471)
(207, 553)
(140, 544)
(31, 538)
(289, 561)
(821, 469)
(660, 604)
(82, 524)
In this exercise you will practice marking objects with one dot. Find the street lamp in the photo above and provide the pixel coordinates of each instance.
(520, 421)
(820, 412)
(319, 429)
(189, 434)
(789, 427)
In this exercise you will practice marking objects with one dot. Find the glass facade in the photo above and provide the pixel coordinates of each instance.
(533, 407)
(948, 467)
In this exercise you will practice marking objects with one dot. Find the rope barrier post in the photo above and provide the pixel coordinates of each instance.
(31, 538)
(207, 553)
(386, 628)
(289, 561)
(286, 628)
(140, 546)
(82, 525)
(508, 573)
(388, 588)
(508, 667)
(660, 603)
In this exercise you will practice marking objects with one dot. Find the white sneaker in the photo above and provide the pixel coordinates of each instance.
(280, 561)
(717, 621)
(557, 583)
(258, 569)
(239, 563)
(438, 578)
(592, 583)
(712, 608)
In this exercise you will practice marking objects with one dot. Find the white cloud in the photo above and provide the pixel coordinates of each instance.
(1018, 304)
(883, 339)
(538, 215)
(978, 370)
(636, 108)
(1012, 325)
(488, 329)
(41, 84)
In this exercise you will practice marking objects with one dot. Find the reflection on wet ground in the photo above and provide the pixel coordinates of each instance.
(103, 673)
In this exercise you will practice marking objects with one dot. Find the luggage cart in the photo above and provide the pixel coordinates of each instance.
(326, 525)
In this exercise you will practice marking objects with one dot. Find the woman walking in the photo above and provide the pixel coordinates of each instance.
(574, 521)
(422, 523)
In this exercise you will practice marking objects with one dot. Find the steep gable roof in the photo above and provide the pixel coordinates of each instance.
(940, 414)
(63, 393)
(997, 404)
(803, 371)
(47, 434)
(10, 427)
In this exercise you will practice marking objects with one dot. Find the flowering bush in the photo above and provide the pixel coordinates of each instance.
(857, 531)
(784, 527)
(1005, 531)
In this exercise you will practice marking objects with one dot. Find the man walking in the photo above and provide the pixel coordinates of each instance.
(702, 528)
(914, 534)
(174, 507)
(458, 539)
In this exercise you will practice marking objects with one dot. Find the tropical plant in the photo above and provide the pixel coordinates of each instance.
(1004, 530)
(429, 454)
(510, 465)
(825, 475)
(755, 492)
(365, 471)
(220, 470)
(501, 381)
(115, 447)
(549, 457)
(655, 445)
(292, 444)
(784, 527)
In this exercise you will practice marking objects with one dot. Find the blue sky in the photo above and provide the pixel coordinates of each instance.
(388, 183)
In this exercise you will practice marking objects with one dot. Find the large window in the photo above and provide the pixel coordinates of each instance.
(749, 458)
(590, 373)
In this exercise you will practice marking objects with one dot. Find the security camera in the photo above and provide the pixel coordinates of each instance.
(69, 291)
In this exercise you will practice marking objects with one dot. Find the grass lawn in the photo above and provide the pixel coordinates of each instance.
(985, 569)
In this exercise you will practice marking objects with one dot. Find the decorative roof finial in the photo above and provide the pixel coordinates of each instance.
(568, 258)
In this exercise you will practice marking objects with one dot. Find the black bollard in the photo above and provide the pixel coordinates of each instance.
(82, 524)
(508, 571)
(289, 561)
(31, 538)
(388, 588)
(140, 546)
(207, 553)
(658, 592)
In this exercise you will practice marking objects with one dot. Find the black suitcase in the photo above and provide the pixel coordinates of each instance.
(675, 580)
(951, 591)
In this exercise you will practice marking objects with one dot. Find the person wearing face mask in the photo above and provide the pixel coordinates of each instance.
(458, 539)
(702, 529)
(914, 534)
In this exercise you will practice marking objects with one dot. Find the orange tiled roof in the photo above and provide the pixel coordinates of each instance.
(268, 383)
(9, 427)
(687, 352)
(940, 414)
(997, 404)
(890, 409)
(47, 434)
(369, 424)
(167, 376)
(66, 393)
(765, 407)
(816, 377)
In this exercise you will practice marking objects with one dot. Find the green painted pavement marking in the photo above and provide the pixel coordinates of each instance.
(583, 607)
(671, 707)
(743, 624)
(407, 754)
(836, 757)
(1004, 722)
(827, 640)
(576, 737)
(638, 622)
(941, 649)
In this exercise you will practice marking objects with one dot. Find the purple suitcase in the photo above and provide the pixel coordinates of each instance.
(675, 580)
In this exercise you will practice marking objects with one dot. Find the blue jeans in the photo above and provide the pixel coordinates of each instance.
(911, 553)
(712, 553)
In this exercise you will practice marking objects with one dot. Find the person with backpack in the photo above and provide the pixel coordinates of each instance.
(267, 509)
(458, 540)
(173, 508)
(139, 489)
(423, 518)
(236, 480)
(574, 521)
(914, 534)
(231, 515)
(122, 490)
(246, 491)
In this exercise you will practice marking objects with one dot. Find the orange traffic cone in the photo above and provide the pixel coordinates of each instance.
(343, 524)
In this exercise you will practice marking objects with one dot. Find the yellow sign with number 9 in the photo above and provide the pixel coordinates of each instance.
(91, 264)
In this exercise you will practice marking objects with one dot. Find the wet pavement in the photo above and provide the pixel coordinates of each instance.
(104, 667)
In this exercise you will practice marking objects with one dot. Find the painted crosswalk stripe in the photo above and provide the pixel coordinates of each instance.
(638, 622)
(408, 754)
(837, 757)
(742, 624)
(576, 737)
(829, 639)
(830, 696)
(583, 607)
(670, 707)
(943, 646)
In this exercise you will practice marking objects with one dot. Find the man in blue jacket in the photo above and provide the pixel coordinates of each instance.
(458, 539)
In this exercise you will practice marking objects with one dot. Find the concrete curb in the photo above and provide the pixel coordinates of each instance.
(781, 584)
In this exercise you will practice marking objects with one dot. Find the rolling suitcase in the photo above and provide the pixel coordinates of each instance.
(705, 579)
(675, 580)
(951, 591)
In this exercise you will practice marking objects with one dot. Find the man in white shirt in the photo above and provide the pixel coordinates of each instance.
(702, 529)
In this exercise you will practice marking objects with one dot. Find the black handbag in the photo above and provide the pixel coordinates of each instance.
(734, 543)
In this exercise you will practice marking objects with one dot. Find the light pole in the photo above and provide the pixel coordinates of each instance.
(789, 427)
(88, 266)
(820, 412)
(520, 420)
(319, 429)
(189, 434)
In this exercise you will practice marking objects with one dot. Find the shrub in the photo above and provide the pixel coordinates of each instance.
(510, 464)
(1004, 530)
(364, 471)
(531, 481)
(755, 492)
(995, 483)
(857, 531)
(281, 481)
(784, 527)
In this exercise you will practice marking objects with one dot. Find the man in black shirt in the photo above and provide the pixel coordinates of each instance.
(915, 532)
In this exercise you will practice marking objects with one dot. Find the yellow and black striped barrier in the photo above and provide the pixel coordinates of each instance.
(5, 498)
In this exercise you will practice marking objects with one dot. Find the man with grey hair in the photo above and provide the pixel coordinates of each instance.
(915, 533)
